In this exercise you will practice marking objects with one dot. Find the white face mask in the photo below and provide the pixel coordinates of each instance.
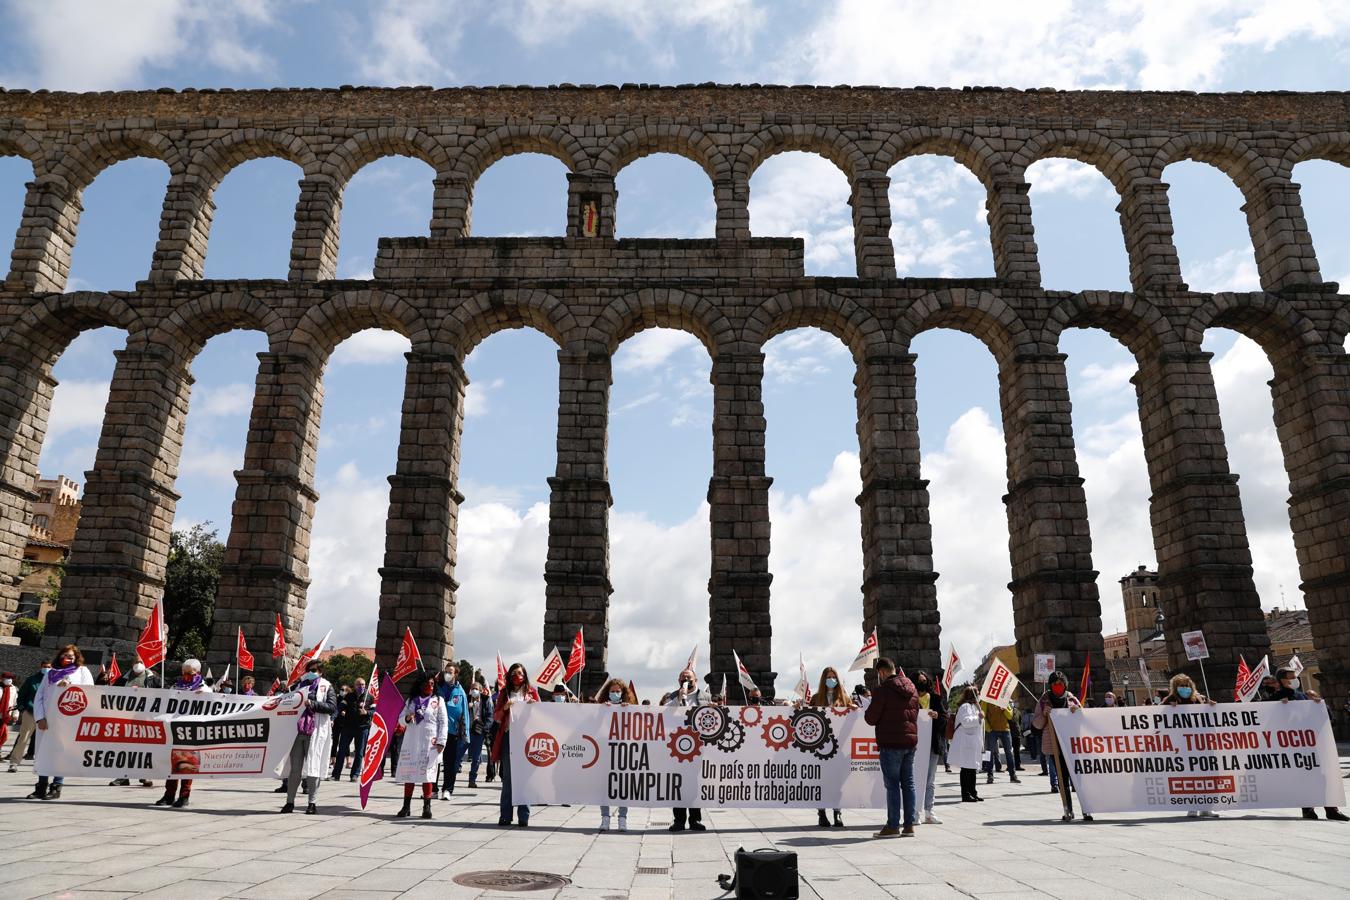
(6, 682)
(1294, 684)
(138, 668)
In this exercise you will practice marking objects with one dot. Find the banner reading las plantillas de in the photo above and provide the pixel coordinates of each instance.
(1198, 757)
(118, 732)
(707, 756)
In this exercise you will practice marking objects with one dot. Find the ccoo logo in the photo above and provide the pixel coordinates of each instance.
(541, 749)
(73, 701)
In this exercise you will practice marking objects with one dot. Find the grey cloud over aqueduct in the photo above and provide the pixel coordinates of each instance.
(449, 291)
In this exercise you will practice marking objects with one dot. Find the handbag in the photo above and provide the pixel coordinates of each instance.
(762, 875)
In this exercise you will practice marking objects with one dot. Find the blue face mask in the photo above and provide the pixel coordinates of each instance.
(832, 682)
(615, 697)
(310, 676)
(559, 698)
(1184, 693)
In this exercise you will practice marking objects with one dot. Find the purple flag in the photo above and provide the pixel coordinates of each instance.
(382, 725)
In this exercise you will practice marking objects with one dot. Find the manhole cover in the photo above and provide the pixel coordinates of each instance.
(507, 880)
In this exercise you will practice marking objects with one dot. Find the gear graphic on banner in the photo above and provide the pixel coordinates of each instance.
(732, 739)
(684, 744)
(708, 721)
(777, 733)
(750, 716)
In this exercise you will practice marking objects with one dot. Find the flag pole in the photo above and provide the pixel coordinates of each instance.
(1204, 679)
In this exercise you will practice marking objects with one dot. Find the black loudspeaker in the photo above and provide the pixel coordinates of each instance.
(763, 875)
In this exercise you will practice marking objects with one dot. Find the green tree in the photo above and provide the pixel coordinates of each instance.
(28, 631)
(343, 669)
(190, 581)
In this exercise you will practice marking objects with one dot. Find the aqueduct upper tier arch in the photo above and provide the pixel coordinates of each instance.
(586, 290)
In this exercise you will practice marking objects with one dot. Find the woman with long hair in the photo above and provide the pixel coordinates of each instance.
(67, 669)
(518, 690)
(967, 750)
(830, 693)
(424, 721)
(934, 704)
(616, 692)
(1182, 692)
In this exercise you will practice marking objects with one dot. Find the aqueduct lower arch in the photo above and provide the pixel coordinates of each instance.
(587, 291)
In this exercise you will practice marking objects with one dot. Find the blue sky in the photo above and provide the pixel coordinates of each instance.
(660, 442)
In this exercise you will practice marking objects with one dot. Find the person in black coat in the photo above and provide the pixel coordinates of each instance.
(353, 727)
(931, 699)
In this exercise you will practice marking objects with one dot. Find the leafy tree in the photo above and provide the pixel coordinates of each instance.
(28, 631)
(190, 581)
(343, 669)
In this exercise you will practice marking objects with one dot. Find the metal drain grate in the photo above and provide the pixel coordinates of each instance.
(653, 870)
(508, 880)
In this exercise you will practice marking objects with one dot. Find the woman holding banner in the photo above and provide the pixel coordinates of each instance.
(615, 693)
(831, 695)
(425, 723)
(932, 703)
(67, 669)
(967, 750)
(1182, 692)
(1057, 696)
(189, 679)
(517, 690)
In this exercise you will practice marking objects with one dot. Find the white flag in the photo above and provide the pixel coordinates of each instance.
(743, 674)
(692, 663)
(552, 671)
(1247, 689)
(1143, 673)
(1296, 664)
(999, 684)
(724, 686)
(803, 686)
(226, 677)
(868, 654)
(953, 666)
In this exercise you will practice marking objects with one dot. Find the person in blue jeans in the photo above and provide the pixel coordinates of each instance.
(480, 723)
(449, 689)
(894, 713)
(517, 690)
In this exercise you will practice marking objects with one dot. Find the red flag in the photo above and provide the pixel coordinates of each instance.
(632, 690)
(279, 640)
(383, 724)
(953, 666)
(501, 671)
(409, 659)
(114, 672)
(276, 686)
(576, 660)
(304, 659)
(1243, 675)
(150, 645)
(1085, 686)
(241, 652)
(373, 683)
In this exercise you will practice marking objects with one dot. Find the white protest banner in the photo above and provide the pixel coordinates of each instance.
(999, 684)
(708, 756)
(1201, 757)
(1045, 664)
(1194, 642)
(868, 655)
(1246, 689)
(118, 732)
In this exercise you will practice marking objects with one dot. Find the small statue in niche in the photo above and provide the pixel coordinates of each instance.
(590, 217)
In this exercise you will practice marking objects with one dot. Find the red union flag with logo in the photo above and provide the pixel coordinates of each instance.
(303, 661)
(114, 670)
(1246, 689)
(999, 684)
(383, 723)
(150, 645)
(241, 653)
(953, 666)
(576, 660)
(551, 673)
(871, 649)
(409, 658)
(278, 639)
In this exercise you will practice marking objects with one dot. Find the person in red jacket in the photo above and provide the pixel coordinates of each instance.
(894, 713)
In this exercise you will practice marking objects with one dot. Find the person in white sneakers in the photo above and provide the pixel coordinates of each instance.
(615, 693)
(934, 704)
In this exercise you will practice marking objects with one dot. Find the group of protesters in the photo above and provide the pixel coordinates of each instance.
(442, 724)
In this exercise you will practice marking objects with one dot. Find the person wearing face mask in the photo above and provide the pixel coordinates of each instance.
(1182, 692)
(456, 702)
(178, 790)
(1290, 688)
(1109, 699)
(67, 668)
(935, 705)
(23, 706)
(517, 690)
(308, 759)
(480, 722)
(355, 712)
(830, 694)
(615, 693)
(9, 713)
(1056, 696)
(424, 721)
(687, 694)
(138, 676)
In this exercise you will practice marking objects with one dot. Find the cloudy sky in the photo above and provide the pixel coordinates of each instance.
(660, 445)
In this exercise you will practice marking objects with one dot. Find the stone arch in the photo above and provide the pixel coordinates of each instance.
(680, 140)
(20, 143)
(482, 315)
(1283, 332)
(969, 150)
(625, 316)
(48, 325)
(1114, 160)
(221, 157)
(1228, 154)
(1332, 146)
(338, 317)
(823, 140)
(1129, 318)
(508, 140)
(975, 312)
(860, 330)
(364, 148)
(78, 166)
(187, 329)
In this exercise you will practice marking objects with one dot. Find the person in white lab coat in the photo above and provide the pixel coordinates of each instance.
(967, 751)
(67, 669)
(313, 738)
(425, 723)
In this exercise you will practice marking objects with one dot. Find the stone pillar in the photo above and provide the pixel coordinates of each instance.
(451, 206)
(1056, 608)
(1204, 564)
(115, 573)
(318, 216)
(266, 568)
(25, 403)
(1285, 257)
(417, 584)
(1312, 417)
(1146, 220)
(738, 494)
(584, 189)
(576, 576)
(46, 237)
(1012, 233)
(733, 209)
(184, 228)
(899, 584)
(873, 250)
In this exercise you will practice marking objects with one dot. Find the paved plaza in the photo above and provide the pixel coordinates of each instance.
(104, 843)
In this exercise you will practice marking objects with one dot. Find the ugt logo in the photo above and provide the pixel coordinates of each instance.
(376, 746)
(73, 701)
(541, 749)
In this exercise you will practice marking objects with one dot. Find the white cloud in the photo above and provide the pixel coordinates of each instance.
(1107, 382)
(214, 465)
(728, 25)
(476, 396)
(1233, 270)
(77, 406)
(409, 41)
(1068, 176)
(806, 196)
(373, 346)
(226, 400)
(802, 354)
(653, 348)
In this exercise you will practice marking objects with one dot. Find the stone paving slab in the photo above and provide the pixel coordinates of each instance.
(232, 844)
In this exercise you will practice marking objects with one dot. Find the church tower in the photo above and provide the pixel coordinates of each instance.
(1140, 592)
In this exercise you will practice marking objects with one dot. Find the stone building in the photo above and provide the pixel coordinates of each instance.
(589, 292)
(56, 514)
(1291, 635)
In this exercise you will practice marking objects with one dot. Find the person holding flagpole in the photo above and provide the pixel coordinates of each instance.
(688, 694)
(830, 694)
(67, 669)
(424, 721)
(189, 679)
(932, 703)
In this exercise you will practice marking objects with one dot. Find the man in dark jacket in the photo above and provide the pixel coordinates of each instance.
(894, 713)
(1289, 688)
(353, 727)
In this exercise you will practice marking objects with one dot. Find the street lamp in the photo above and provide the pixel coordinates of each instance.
(1129, 698)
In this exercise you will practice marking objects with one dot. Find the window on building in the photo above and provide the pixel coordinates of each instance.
(29, 604)
(41, 521)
